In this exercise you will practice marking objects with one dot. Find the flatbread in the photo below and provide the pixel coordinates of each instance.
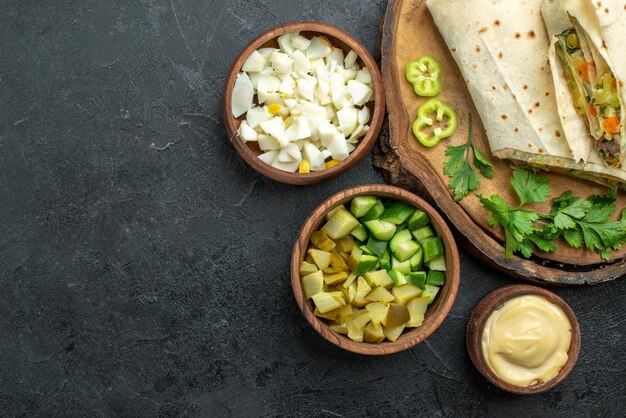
(604, 23)
(501, 48)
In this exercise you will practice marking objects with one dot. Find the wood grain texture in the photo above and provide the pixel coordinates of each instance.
(409, 32)
(476, 325)
(339, 38)
(435, 314)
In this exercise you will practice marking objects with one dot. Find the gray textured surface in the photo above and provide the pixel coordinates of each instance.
(138, 282)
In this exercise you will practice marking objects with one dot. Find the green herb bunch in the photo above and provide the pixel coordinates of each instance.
(580, 222)
(463, 179)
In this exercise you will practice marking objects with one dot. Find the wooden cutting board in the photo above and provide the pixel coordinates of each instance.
(408, 32)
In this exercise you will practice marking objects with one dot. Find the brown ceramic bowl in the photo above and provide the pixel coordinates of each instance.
(338, 38)
(435, 314)
(492, 302)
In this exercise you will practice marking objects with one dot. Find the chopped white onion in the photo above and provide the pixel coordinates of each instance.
(327, 131)
(364, 76)
(246, 132)
(337, 90)
(347, 117)
(319, 48)
(360, 92)
(350, 59)
(254, 63)
(273, 98)
(268, 157)
(254, 77)
(262, 89)
(285, 42)
(310, 102)
(300, 42)
(256, 115)
(348, 75)
(331, 67)
(326, 154)
(338, 147)
(287, 86)
(322, 91)
(356, 134)
(336, 56)
(364, 115)
(289, 153)
(313, 155)
(312, 109)
(275, 127)
(290, 167)
(243, 94)
(301, 64)
(318, 68)
(299, 129)
(267, 84)
(266, 52)
(305, 89)
(281, 62)
(267, 143)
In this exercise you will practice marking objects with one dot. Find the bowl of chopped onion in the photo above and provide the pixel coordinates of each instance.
(303, 102)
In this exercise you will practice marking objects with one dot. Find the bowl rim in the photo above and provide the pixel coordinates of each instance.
(493, 301)
(365, 144)
(439, 310)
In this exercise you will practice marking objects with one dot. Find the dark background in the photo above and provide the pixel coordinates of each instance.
(138, 282)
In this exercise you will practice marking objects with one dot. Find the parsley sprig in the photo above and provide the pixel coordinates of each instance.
(580, 222)
(587, 222)
(463, 179)
(521, 229)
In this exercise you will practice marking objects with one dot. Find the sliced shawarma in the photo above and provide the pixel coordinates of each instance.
(501, 49)
(588, 71)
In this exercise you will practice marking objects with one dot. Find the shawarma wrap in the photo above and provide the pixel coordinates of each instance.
(501, 48)
(588, 65)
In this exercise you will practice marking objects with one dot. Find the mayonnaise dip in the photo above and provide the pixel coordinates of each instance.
(526, 340)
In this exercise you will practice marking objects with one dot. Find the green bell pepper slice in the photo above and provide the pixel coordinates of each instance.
(425, 75)
(439, 110)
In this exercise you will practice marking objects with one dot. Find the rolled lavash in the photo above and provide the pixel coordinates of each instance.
(501, 48)
(602, 23)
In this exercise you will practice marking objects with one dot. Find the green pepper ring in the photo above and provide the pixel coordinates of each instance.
(423, 120)
(427, 86)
